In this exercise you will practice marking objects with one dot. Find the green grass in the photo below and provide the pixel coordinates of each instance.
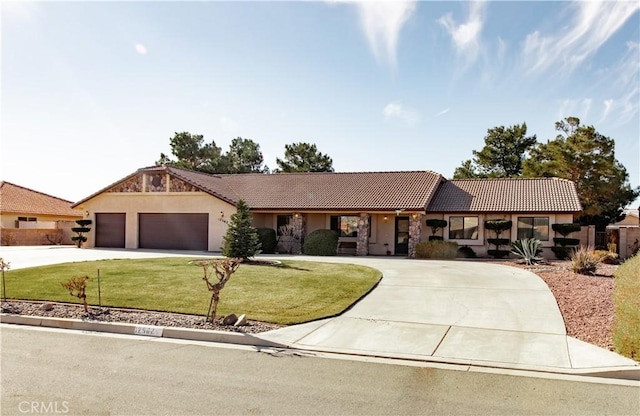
(291, 293)
(626, 298)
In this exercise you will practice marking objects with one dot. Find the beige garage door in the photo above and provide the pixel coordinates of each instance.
(173, 231)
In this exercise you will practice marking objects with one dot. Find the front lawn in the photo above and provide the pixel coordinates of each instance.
(290, 293)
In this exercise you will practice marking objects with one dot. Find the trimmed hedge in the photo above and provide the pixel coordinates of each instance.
(499, 241)
(626, 300)
(436, 249)
(498, 225)
(466, 252)
(565, 229)
(498, 254)
(563, 253)
(435, 237)
(564, 242)
(321, 243)
(268, 240)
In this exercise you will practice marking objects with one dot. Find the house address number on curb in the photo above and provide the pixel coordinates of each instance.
(152, 331)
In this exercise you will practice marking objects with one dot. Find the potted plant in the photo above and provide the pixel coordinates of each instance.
(387, 247)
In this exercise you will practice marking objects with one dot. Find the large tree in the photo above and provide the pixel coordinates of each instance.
(304, 157)
(192, 153)
(587, 158)
(502, 155)
(244, 156)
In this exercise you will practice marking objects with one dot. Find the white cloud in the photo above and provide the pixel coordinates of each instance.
(466, 36)
(382, 22)
(397, 110)
(140, 48)
(607, 109)
(595, 22)
(443, 112)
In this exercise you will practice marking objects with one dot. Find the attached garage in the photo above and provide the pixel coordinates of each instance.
(110, 230)
(173, 231)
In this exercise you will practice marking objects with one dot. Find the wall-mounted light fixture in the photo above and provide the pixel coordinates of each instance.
(86, 213)
(296, 215)
(385, 218)
(398, 211)
(221, 214)
(414, 215)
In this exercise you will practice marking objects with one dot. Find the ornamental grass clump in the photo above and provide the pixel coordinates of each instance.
(584, 261)
(528, 249)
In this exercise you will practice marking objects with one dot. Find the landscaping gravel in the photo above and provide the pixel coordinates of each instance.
(138, 317)
(586, 302)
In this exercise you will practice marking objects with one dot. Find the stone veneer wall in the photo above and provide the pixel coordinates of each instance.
(298, 232)
(415, 229)
(362, 243)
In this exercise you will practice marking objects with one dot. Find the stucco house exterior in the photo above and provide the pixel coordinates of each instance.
(29, 217)
(375, 212)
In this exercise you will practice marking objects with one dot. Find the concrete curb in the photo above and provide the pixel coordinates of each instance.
(145, 330)
(630, 373)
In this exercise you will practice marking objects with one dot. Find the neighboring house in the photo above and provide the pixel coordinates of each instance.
(626, 233)
(29, 217)
(375, 212)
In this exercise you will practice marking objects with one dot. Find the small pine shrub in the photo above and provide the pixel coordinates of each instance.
(321, 243)
(241, 239)
(561, 241)
(268, 240)
(584, 261)
(563, 253)
(565, 229)
(436, 249)
(466, 252)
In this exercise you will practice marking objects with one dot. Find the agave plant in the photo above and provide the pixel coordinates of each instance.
(529, 249)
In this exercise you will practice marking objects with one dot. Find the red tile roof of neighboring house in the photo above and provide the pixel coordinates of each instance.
(506, 195)
(18, 199)
(321, 191)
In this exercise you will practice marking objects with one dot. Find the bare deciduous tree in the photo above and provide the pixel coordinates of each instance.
(223, 269)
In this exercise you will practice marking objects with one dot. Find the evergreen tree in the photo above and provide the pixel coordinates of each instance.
(304, 157)
(242, 239)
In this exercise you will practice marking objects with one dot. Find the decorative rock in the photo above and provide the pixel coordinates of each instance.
(230, 319)
(242, 321)
(47, 307)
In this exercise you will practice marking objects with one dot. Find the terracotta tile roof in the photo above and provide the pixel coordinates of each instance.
(321, 191)
(506, 195)
(18, 199)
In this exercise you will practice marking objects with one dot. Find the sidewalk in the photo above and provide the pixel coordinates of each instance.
(459, 312)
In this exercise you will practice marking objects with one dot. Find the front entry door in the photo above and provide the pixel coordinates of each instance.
(402, 236)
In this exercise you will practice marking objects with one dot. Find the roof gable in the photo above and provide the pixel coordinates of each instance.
(18, 199)
(506, 195)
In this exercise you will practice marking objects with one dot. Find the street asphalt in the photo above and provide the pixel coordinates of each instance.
(461, 312)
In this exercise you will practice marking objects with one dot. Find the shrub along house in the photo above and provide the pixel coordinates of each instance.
(375, 213)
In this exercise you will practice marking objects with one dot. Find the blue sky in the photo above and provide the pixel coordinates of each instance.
(92, 91)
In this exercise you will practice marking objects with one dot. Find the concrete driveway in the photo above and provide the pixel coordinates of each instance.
(462, 312)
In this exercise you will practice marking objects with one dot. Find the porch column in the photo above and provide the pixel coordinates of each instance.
(362, 243)
(298, 233)
(415, 229)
